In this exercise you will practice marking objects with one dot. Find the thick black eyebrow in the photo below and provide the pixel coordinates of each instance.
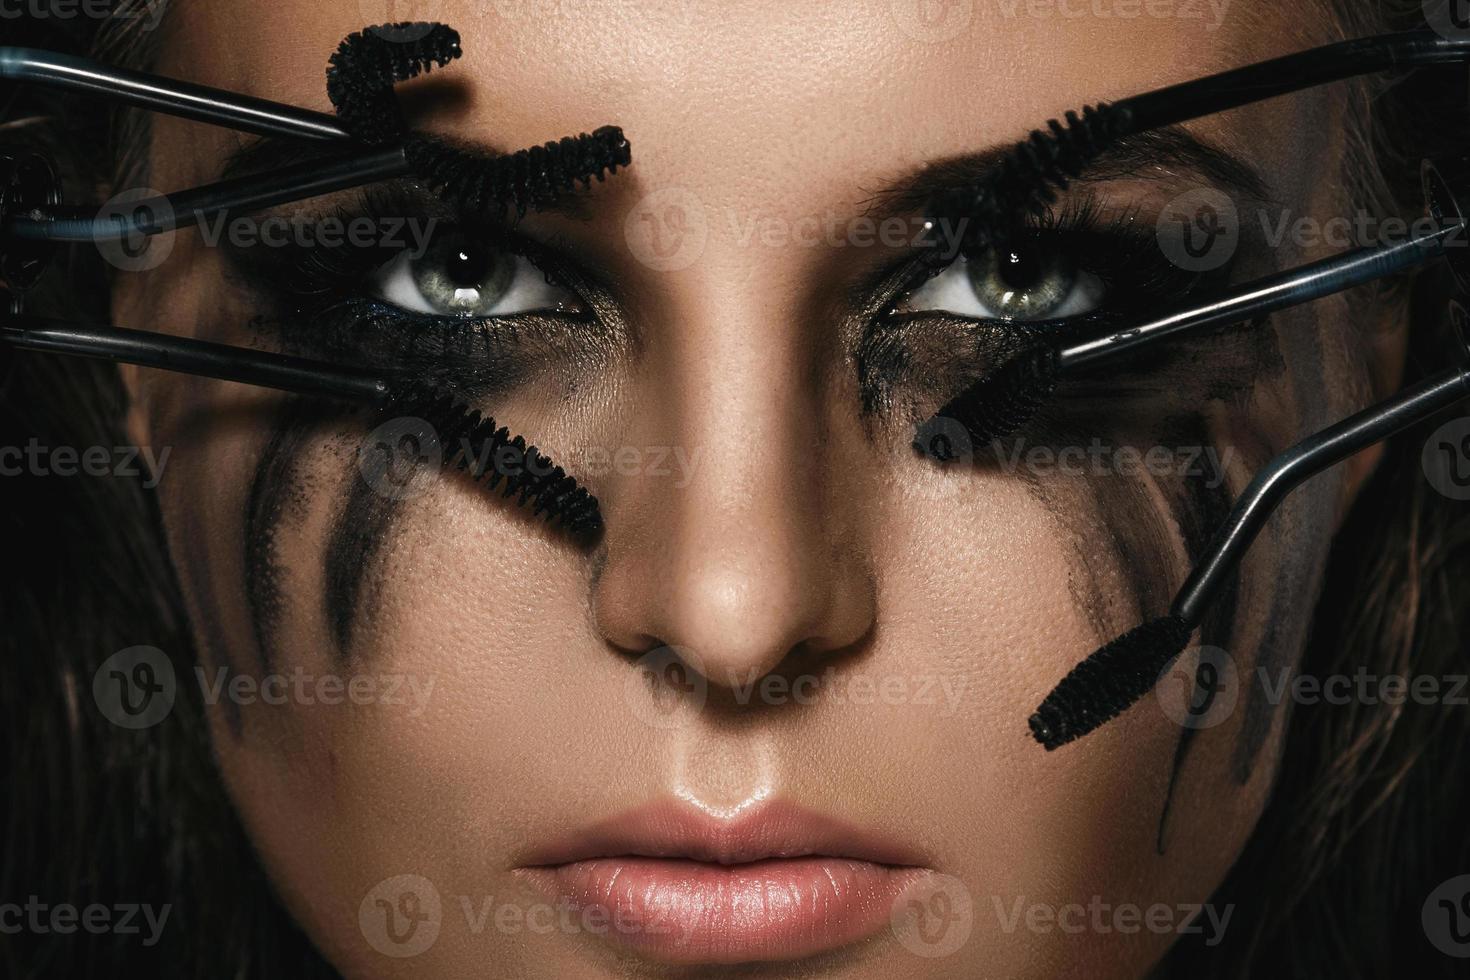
(1161, 154)
(266, 154)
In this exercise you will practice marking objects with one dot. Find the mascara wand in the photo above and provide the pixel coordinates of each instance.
(1027, 180)
(504, 461)
(1003, 401)
(1111, 680)
(360, 83)
(1116, 676)
(369, 141)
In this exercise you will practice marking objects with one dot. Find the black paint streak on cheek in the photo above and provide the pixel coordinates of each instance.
(1298, 531)
(1285, 631)
(1271, 657)
(355, 552)
(1199, 509)
(277, 493)
(1117, 534)
(925, 361)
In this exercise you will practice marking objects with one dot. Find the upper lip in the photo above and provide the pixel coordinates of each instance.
(674, 829)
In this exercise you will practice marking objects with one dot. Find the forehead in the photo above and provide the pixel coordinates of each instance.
(743, 82)
(755, 108)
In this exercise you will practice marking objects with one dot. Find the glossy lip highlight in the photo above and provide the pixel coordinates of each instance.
(776, 882)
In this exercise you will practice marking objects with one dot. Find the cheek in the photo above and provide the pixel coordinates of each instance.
(1000, 581)
(1026, 569)
(495, 708)
(362, 735)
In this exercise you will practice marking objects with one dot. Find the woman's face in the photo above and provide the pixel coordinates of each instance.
(777, 711)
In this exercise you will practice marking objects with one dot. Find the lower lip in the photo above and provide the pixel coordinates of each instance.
(692, 912)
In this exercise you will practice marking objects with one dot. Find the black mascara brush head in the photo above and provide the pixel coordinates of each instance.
(496, 459)
(1027, 179)
(526, 180)
(997, 405)
(973, 219)
(360, 81)
(366, 66)
(1109, 682)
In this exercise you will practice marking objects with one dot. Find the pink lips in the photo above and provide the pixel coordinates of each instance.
(775, 883)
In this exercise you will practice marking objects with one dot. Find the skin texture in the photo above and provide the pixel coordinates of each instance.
(806, 536)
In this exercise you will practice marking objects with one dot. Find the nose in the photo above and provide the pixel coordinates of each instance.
(746, 552)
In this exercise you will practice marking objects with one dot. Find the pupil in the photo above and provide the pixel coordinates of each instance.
(1021, 268)
(467, 267)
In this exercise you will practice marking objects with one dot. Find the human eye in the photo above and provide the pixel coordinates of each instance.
(1090, 263)
(1025, 281)
(459, 275)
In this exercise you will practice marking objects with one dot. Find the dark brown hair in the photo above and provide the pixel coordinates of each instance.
(1366, 819)
(1368, 813)
(95, 813)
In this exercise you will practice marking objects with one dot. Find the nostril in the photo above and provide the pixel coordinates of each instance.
(750, 563)
(727, 624)
(667, 687)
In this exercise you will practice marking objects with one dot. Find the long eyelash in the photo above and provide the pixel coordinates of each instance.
(1124, 253)
(301, 280)
(310, 274)
(1032, 174)
(314, 273)
(1117, 246)
(314, 300)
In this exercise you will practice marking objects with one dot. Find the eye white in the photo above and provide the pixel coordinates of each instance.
(953, 291)
(525, 291)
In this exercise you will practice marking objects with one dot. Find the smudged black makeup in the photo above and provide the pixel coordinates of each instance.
(1157, 400)
(277, 494)
(319, 300)
(907, 351)
(359, 533)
